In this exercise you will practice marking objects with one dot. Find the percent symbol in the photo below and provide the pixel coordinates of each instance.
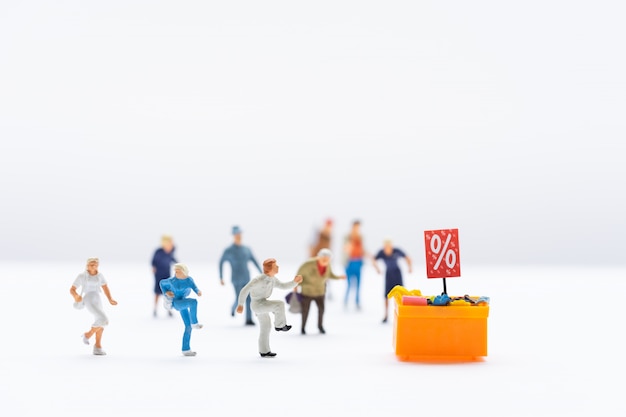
(435, 246)
(442, 253)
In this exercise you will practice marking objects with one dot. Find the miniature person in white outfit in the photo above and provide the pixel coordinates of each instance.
(260, 289)
(91, 282)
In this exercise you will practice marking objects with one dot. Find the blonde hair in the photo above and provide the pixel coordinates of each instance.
(166, 238)
(183, 268)
(90, 260)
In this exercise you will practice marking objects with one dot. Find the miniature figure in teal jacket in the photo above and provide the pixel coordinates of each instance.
(176, 290)
(238, 255)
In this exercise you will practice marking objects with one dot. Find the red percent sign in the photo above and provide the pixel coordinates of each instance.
(442, 253)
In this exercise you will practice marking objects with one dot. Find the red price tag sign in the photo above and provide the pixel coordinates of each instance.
(442, 253)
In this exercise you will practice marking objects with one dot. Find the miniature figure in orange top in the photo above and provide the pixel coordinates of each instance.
(354, 252)
(91, 283)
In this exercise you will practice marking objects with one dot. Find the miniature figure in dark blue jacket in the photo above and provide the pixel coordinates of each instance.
(390, 255)
(162, 262)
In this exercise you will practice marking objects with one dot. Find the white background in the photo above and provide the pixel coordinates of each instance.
(124, 120)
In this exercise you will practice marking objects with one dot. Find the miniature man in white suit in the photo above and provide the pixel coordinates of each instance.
(260, 289)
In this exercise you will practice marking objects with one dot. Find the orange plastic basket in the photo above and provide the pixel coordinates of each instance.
(454, 332)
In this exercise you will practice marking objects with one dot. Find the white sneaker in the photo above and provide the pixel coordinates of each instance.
(85, 340)
(196, 326)
(98, 351)
(189, 353)
(167, 303)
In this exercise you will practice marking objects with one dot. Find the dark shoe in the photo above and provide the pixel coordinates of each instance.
(302, 331)
(267, 355)
(249, 323)
(322, 331)
(385, 320)
(285, 328)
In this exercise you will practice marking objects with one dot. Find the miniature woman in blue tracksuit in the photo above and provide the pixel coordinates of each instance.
(176, 290)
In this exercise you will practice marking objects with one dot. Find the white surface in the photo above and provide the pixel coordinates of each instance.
(555, 348)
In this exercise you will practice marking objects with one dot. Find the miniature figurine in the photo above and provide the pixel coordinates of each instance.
(238, 255)
(315, 272)
(91, 281)
(323, 240)
(354, 253)
(260, 289)
(176, 291)
(162, 262)
(393, 274)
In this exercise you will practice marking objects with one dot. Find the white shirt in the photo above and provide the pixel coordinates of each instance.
(260, 288)
(89, 283)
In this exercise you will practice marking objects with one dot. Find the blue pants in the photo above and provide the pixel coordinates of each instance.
(238, 286)
(188, 308)
(353, 278)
